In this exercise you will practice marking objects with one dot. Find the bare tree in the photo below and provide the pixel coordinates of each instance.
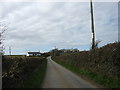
(97, 43)
(3, 28)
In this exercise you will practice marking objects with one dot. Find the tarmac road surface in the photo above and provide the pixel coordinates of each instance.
(59, 77)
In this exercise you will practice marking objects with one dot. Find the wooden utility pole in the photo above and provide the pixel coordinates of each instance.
(55, 47)
(9, 50)
(92, 25)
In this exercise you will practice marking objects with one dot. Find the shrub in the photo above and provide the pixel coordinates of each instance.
(104, 60)
(17, 69)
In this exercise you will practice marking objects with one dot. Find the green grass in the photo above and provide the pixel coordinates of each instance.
(98, 78)
(37, 77)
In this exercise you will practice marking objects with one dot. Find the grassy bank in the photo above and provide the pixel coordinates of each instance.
(37, 77)
(100, 64)
(98, 78)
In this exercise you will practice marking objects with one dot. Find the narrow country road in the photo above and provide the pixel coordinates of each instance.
(59, 77)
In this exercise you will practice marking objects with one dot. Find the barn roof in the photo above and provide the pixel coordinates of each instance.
(34, 53)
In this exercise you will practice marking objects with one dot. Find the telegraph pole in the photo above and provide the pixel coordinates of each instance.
(55, 47)
(92, 25)
(9, 50)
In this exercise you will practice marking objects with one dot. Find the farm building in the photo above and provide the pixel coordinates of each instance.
(33, 54)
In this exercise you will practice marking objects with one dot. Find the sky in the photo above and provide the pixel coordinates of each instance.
(40, 26)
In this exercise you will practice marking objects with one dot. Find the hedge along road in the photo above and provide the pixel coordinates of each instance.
(60, 77)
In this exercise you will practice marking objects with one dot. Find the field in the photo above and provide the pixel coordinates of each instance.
(23, 72)
(101, 64)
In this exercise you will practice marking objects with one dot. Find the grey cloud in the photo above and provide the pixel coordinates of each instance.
(66, 24)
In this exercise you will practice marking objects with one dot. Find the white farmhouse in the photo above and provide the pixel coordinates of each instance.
(33, 54)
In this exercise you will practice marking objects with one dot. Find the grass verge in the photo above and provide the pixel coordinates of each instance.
(37, 77)
(98, 78)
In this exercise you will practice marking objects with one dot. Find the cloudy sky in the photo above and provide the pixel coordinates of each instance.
(34, 26)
